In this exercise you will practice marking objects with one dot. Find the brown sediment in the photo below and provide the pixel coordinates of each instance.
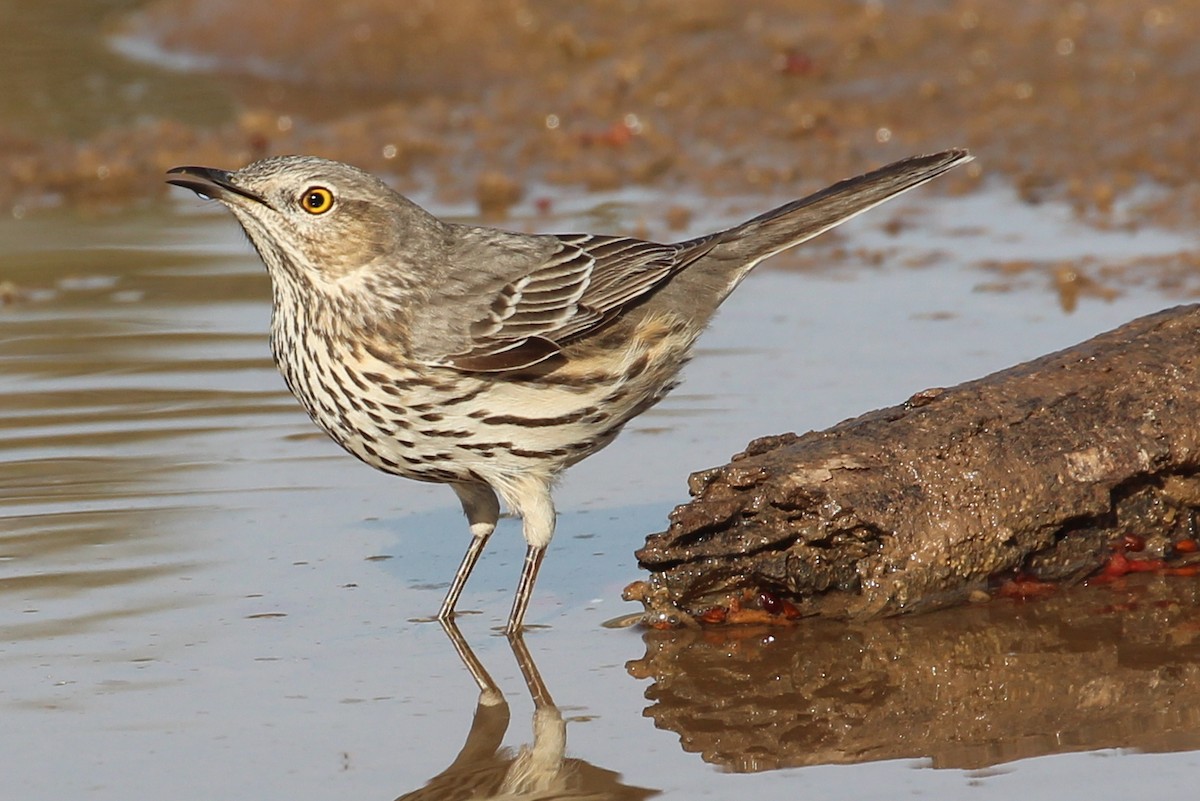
(1067, 101)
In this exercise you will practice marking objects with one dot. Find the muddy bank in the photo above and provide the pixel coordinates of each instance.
(1083, 102)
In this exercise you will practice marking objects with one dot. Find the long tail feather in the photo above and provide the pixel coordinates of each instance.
(801, 220)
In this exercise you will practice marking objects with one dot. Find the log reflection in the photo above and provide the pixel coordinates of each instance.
(1115, 666)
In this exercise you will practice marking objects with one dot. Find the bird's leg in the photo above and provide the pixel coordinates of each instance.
(533, 561)
(482, 509)
(446, 612)
(537, 511)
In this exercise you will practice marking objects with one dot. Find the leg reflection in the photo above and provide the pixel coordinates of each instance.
(540, 769)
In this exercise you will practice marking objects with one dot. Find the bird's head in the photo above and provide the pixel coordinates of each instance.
(314, 221)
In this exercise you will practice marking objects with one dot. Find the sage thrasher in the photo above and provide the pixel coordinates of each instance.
(485, 359)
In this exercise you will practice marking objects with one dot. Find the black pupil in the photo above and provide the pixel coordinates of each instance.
(316, 200)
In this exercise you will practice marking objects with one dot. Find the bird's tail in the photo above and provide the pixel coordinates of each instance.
(801, 220)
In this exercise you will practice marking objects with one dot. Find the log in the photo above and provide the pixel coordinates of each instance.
(1077, 462)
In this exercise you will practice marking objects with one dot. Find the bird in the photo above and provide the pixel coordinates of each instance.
(485, 359)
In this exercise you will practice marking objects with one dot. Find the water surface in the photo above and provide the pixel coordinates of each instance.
(204, 597)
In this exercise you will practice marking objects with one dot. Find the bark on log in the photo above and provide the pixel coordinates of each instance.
(1043, 470)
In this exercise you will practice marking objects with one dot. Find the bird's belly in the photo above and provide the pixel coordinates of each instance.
(440, 425)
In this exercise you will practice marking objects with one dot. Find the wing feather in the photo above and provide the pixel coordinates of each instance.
(578, 287)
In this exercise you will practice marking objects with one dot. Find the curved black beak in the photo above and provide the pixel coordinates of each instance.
(210, 183)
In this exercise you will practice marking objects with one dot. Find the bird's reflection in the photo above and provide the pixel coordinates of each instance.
(485, 769)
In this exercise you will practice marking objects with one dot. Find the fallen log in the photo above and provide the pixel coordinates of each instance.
(1080, 461)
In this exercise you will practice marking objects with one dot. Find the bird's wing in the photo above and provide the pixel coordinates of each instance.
(525, 318)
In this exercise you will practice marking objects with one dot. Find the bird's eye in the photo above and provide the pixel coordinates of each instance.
(316, 200)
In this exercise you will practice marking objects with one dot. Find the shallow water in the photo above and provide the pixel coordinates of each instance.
(204, 597)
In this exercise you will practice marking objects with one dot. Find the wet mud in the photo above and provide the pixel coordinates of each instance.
(1087, 103)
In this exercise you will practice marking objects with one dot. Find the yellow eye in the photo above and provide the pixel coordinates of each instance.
(316, 200)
